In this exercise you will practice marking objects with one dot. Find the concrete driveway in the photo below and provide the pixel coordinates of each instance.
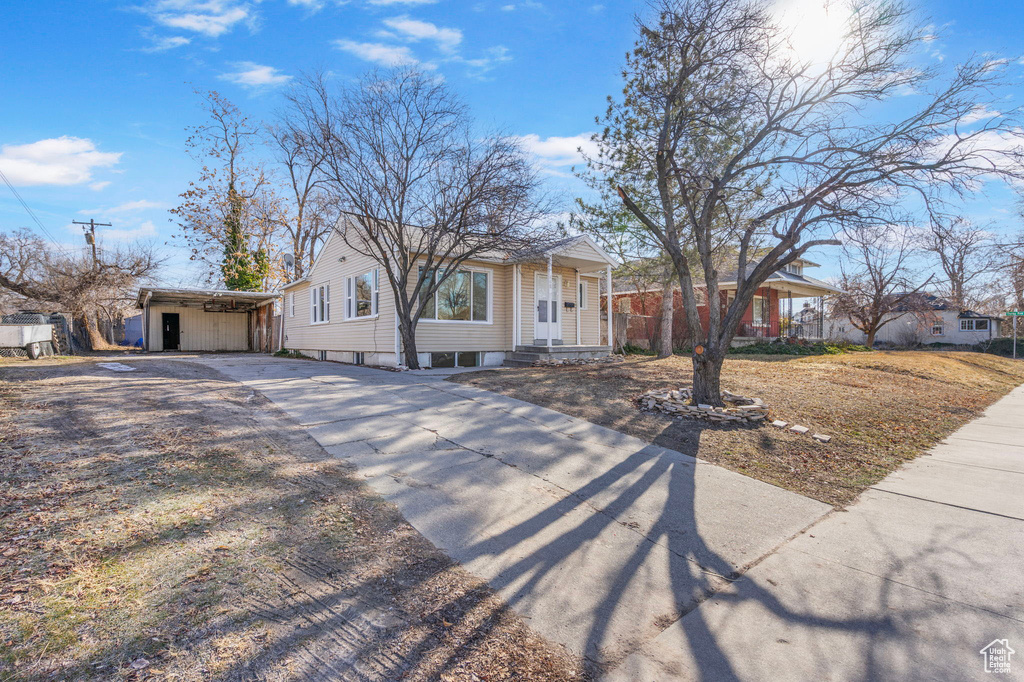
(600, 540)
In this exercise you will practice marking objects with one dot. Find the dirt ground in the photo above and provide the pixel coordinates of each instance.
(168, 524)
(881, 409)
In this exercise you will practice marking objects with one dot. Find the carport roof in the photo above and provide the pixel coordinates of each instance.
(243, 300)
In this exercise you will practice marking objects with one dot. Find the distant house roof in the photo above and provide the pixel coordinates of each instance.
(802, 285)
(916, 302)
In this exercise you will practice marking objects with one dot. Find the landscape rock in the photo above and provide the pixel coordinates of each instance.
(821, 437)
(796, 428)
(677, 402)
(779, 424)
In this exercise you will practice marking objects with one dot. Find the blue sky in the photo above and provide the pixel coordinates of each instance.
(97, 95)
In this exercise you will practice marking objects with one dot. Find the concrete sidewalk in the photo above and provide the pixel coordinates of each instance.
(599, 540)
(909, 583)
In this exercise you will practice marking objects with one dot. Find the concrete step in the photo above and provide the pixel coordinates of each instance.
(563, 349)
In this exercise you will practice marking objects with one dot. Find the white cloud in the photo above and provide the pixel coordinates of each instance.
(127, 207)
(56, 161)
(164, 43)
(979, 113)
(492, 57)
(146, 229)
(255, 76)
(97, 186)
(447, 39)
(378, 53)
(211, 18)
(554, 155)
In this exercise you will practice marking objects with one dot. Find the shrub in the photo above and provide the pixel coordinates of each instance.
(784, 348)
(631, 349)
(284, 353)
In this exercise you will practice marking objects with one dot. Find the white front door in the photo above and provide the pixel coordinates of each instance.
(547, 310)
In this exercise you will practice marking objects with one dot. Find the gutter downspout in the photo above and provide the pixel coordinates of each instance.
(611, 332)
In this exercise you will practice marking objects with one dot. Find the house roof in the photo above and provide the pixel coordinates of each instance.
(937, 303)
(575, 251)
(801, 286)
(220, 299)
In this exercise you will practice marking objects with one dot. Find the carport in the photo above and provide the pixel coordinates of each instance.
(206, 319)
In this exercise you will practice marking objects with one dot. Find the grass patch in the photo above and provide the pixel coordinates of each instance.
(881, 409)
(166, 524)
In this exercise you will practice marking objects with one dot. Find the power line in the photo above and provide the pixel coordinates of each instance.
(32, 214)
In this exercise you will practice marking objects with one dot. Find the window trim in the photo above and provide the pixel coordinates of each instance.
(941, 329)
(583, 295)
(291, 304)
(316, 293)
(969, 324)
(490, 299)
(350, 296)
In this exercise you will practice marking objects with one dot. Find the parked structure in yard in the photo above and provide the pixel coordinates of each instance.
(206, 320)
(788, 304)
(514, 308)
(924, 319)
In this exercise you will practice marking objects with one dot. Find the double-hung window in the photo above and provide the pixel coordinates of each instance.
(973, 325)
(362, 295)
(320, 304)
(463, 297)
(937, 329)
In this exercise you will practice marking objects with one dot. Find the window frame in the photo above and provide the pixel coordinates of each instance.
(291, 304)
(470, 269)
(758, 310)
(941, 329)
(351, 302)
(320, 304)
(970, 324)
(583, 295)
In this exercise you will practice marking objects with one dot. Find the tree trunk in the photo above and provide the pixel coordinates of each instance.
(870, 342)
(707, 378)
(665, 342)
(92, 331)
(408, 335)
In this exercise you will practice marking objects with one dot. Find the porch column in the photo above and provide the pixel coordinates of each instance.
(549, 304)
(579, 338)
(515, 305)
(611, 324)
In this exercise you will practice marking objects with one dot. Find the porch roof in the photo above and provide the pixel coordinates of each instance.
(580, 252)
(800, 286)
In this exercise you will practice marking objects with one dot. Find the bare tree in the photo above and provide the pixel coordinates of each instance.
(230, 215)
(877, 280)
(723, 135)
(75, 283)
(965, 256)
(307, 215)
(424, 192)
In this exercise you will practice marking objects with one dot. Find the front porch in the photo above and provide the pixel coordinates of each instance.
(556, 302)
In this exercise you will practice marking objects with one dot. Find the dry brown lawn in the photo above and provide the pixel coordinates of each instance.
(168, 524)
(881, 409)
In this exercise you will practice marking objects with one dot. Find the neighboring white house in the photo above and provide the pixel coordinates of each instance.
(934, 320)
(511, 307)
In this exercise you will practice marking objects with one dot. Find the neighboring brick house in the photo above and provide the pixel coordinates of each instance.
(772, 314)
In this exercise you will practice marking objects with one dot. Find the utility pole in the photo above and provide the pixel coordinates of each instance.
(90, 236)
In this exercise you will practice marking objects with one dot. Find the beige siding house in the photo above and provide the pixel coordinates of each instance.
(204, 320)
(492, 311)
